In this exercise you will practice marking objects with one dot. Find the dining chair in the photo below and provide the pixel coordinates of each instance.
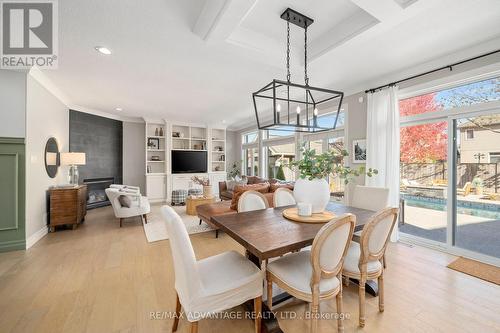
(211, 285)
(363, 259)
(316, 274)
(252, 200)
(283, 197)
(371, 198)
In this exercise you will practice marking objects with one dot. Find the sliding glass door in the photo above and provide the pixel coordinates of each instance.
(450, 169)
(423, 180)
(477, 208)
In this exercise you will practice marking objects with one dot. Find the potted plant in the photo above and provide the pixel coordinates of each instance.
(312, 186)
(205, 182)
(235, 171)
(478, 185)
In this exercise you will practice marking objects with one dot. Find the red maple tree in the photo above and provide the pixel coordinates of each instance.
(422, 143)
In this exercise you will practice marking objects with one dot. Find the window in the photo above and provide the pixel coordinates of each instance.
(470, 134)
(495, 157)
(278, 158)
(250, 153)
(469, 94)
(251, 162)
(250, 137)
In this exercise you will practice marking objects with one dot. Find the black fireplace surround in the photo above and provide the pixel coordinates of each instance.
(101, 140)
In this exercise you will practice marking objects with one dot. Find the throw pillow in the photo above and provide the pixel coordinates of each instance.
(230, 184)
(238, 191)
(125, 201)
(276, 186)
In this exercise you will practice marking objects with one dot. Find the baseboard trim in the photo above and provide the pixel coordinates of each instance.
(12, 245)
(36, 237)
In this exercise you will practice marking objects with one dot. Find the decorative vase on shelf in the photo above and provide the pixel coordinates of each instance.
(161, 131)
(315, 192)
(156, 131)
(207, 191)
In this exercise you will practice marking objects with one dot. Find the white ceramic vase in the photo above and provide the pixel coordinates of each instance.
(315, 192)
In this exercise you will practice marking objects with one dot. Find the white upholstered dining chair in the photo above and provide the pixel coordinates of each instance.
(371, 198)
(252, 200)
(210, 285)
(283, 197)
(363, 259)
(316, 274)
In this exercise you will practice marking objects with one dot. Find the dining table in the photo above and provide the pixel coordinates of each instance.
(267, 234)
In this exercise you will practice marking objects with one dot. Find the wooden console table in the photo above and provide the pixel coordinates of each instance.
(67, 206)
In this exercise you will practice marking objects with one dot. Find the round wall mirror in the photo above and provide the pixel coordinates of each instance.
(51, 157)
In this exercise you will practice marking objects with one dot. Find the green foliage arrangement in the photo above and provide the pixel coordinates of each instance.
(281, 173)
(235, 170)
(320, 166)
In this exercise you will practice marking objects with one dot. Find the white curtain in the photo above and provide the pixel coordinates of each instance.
(382, 143)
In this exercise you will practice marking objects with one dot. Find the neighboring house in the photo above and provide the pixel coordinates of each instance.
(480, 140)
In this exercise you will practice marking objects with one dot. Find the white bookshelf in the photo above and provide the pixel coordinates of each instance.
(217, 148)
(185, 137)
(156, 161)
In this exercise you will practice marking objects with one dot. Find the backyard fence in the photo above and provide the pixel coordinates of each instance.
(429, 173)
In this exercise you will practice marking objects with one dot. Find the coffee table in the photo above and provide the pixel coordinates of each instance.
(192, 202)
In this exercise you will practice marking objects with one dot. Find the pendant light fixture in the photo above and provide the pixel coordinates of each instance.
(276, 103)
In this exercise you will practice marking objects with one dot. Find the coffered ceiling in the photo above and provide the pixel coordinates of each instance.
(199, 61)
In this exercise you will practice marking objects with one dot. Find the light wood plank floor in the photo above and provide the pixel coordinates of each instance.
(100, 278)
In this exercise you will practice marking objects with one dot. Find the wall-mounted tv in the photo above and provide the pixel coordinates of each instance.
(188, 161)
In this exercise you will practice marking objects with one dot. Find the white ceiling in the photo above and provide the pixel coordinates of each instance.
(199, 61)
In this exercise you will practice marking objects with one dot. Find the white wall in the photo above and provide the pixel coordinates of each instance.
(12, 103)
(46, 116)
(134, 155)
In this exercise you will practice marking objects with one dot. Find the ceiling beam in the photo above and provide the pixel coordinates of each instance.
(219, 18)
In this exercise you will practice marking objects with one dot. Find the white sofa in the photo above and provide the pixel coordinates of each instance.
(139, 205)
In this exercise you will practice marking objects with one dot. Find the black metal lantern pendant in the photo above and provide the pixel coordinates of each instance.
(286, 106)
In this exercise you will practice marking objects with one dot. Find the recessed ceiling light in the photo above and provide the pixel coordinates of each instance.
(103, 50)
(118, 109)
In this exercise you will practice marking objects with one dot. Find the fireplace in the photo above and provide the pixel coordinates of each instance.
(96, 195)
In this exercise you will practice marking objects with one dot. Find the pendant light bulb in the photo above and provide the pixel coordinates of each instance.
(278, 107)
(315, 111)
(298, 109)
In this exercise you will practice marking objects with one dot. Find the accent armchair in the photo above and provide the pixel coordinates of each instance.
(137, 205)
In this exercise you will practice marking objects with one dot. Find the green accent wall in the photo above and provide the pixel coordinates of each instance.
(12, 194)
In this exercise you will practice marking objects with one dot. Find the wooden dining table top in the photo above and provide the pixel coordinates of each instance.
(266, 233)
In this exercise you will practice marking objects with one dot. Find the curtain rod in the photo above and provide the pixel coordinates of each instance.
(450, 67)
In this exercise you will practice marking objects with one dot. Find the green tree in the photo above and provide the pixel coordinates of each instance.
(281, 173)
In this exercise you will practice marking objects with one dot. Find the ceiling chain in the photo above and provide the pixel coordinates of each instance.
(306, 78)
(288, 76)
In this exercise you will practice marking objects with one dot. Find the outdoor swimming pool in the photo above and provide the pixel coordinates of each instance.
(473, 208)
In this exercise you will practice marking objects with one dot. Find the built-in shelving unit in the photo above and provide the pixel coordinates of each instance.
(156, 162)
(186, 137)
(217, 150)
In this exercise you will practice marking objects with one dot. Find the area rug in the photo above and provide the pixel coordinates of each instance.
(156, 230)
(477, 269)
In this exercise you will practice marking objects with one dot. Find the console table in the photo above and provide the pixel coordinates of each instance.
(68, 205)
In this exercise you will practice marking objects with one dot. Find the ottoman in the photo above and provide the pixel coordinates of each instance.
(179, 197)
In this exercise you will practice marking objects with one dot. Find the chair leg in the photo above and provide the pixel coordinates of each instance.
(340, 319)
(145, 218)
(314, 312)
(217, 233)
(347, 281)
(194, 327)
(121, 221)
(381, 292)
(269, 293)
(177, 313)
(257, 308)
(384, 263)
(200, 222)
(362, 283)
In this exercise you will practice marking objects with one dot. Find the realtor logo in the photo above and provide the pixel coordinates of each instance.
(29, 34)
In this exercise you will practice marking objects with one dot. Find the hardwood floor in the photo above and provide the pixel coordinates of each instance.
(102, 278)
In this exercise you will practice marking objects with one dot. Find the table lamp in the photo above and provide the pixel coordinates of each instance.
(73, 160)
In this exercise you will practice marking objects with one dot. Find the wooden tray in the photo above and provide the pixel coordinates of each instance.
(292, 214)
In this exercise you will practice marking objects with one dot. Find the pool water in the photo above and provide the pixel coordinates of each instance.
(479, 209)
